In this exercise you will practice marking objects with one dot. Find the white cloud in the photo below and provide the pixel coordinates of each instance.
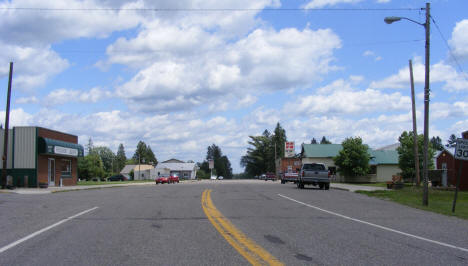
(32, 66)
(180, 83)
(439, 72)
(323, 3)
(18, 117)
(369, 53)
(27, 100)
(340, 98)
(247, 100)
(26, 36)
(442, 110)
(33, 28)
(459, 41)
(62, 96)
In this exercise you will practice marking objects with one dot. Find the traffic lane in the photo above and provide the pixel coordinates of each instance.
(157, 225)
(387, 213)
(299, 235)
(21, 215)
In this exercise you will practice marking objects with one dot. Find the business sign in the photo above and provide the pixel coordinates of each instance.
(211, 164)
(65, 151)
(461, 150)
(289, 150)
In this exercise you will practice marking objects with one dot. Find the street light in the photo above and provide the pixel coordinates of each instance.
(390, 20)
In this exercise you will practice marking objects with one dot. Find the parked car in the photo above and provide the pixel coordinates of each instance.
(314, 174)
(117, 178)
(174, 178)
(164, 178)
(270, 176)
(220, 177)
(289, 177)
(213, 177)
(262, 177)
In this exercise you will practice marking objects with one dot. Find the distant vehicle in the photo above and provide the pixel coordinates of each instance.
(314, 174)
(117, 178)
(220, 177)
(213, 177)
(289, 177)
(173, 178)
(164, 178)
(262, 177)
(270, 176)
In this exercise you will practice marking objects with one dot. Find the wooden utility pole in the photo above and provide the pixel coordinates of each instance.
(7, 121)
(426, 106)
(415, 131)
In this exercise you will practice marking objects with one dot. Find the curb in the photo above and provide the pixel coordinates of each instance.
(339, 188)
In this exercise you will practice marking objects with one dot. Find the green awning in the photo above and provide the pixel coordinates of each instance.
(58, 147)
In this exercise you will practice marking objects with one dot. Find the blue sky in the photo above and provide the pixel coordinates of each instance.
(181, 78)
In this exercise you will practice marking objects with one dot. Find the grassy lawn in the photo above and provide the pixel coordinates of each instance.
(383, 184)
(92, 183)
(439, 201)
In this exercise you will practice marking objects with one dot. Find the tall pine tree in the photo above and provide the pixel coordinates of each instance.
(121, 158)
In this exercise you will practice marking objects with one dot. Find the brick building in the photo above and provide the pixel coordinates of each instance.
(39, 155)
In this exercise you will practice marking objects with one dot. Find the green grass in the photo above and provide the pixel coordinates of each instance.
(439, 201)
(93, 183)
(382, 184)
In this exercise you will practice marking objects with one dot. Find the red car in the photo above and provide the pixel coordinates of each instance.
(162, 179)
(174, 178)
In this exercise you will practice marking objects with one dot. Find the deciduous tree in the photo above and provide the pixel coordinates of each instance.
(406, 155)
(353, 159)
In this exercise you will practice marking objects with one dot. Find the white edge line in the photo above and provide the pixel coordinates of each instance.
(7, 247)
(376, 225)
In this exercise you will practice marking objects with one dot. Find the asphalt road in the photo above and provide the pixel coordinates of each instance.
(167, 225)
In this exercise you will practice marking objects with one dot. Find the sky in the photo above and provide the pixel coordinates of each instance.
(182, 75)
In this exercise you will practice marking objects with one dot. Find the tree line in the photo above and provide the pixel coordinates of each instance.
(222, 165)
(353, 160)
(101, 162)
(264, 149)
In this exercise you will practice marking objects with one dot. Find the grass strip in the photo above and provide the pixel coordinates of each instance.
(440, 201)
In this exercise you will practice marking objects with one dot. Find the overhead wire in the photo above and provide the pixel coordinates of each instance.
(464, 75)
(204, 9)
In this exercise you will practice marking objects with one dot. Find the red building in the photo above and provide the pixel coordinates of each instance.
(446, 160)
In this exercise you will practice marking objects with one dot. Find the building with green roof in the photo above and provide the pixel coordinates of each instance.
(384, 163)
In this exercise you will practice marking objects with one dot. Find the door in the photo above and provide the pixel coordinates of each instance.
(51, 172)
(444, 174)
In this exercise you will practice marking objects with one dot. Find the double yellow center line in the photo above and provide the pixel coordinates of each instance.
(252, 252)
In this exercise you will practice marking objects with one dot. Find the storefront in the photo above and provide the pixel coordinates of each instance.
(40, 156)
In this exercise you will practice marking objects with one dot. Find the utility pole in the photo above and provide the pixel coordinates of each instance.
(275, 160)
(415, 131)
(426, 105)
(7, 121)
(427, 27)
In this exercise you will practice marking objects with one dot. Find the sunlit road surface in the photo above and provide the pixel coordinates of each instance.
(223, 223)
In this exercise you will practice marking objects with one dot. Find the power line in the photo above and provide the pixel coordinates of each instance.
(204, 9)
(450, 50)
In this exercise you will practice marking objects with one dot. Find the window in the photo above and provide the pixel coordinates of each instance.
(66, 168)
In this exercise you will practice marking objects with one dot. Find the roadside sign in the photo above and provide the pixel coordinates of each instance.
(289, 150)
(461, 153)
(211, 164)
(461, 150)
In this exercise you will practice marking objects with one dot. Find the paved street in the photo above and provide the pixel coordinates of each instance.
(176, 225)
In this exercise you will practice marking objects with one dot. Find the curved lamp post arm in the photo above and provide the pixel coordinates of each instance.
(390, 20)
